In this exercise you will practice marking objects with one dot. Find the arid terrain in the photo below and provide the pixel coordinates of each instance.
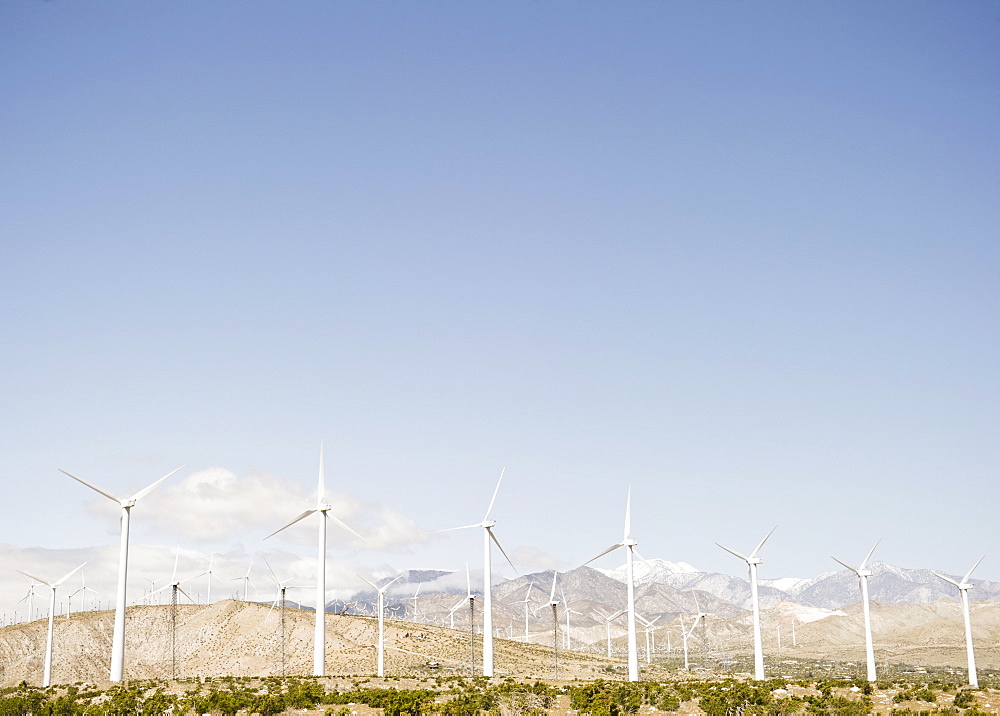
(234, 638)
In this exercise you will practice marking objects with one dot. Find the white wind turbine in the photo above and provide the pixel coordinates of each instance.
(863, 574)
(323, 509)
(629, 544)
(381, 619)
(525, 601)
(752, 561)
(247, 583)
(607, 624)
(686, 633)
(208, 573)
(126, 505)
(487, 525)
(963, 590)
(411, 599)
(47, 676)
(83, 592)
(568, 636)
(649, 627)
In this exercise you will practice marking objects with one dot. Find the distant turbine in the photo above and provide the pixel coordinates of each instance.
(47, 676)
(281, 588)
(83, 592)
(963, 590)
(525, 601)
(208, 572)
(410, 599)
(175, 586)
(629, 544)
(487, 525)
(568, 636)
(118, 640)
(752, 561)
(686, 633)
(381, 623)
(607, 624)
(323, 508)
(555, 624)
(247, 582)
(649, 626)
(863, 574)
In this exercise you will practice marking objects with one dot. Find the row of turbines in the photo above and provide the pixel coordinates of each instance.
(323, 508)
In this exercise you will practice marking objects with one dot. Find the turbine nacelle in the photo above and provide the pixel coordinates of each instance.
(630, 543)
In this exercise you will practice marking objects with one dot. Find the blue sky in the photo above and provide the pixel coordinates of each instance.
(739, 256)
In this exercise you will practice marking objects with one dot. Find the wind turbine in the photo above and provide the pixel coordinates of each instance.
(30, 598)
(686, 633)
(487, 524)
(649, 626)
(963, 591)
(525, 601)
(555, 624)
(381, 623)
(126, 505)
(279, 598)
(174, 585)
(208, 572)
(607, 624)
(47, 676)
(247, 582)
(82, 590)
(568, 636)
(410, 599)
(863, 574)
(752, 561)
(323, 509)
(629, 544)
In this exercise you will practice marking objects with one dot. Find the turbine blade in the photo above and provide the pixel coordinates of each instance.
(847, 565)
(149, 488)
(369, 583)
(342, 524)
(500, 547)
(92, 487)
(733, 551)
(177, 556)
(868, 556)
(67, 576)
(468, 580)
(300, 517)
(969, 573)
(386, 585)
(947, 579)
(463, 527)
(181, 590)
(757, 548)
(35, 578)
(628, 515)
(495, 491)
(321, 484)
(552, 594)
(273, 575)
(612, 548)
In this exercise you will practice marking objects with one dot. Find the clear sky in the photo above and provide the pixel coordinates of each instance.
(740, 256)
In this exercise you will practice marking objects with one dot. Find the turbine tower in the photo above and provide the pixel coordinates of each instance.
(280, 589)
(963, 590)
(629, 544)
(323, 508)
(863, 574)
(752, 561)
(47, 674)
(126, 505)
(381, 619)
(487, 524)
